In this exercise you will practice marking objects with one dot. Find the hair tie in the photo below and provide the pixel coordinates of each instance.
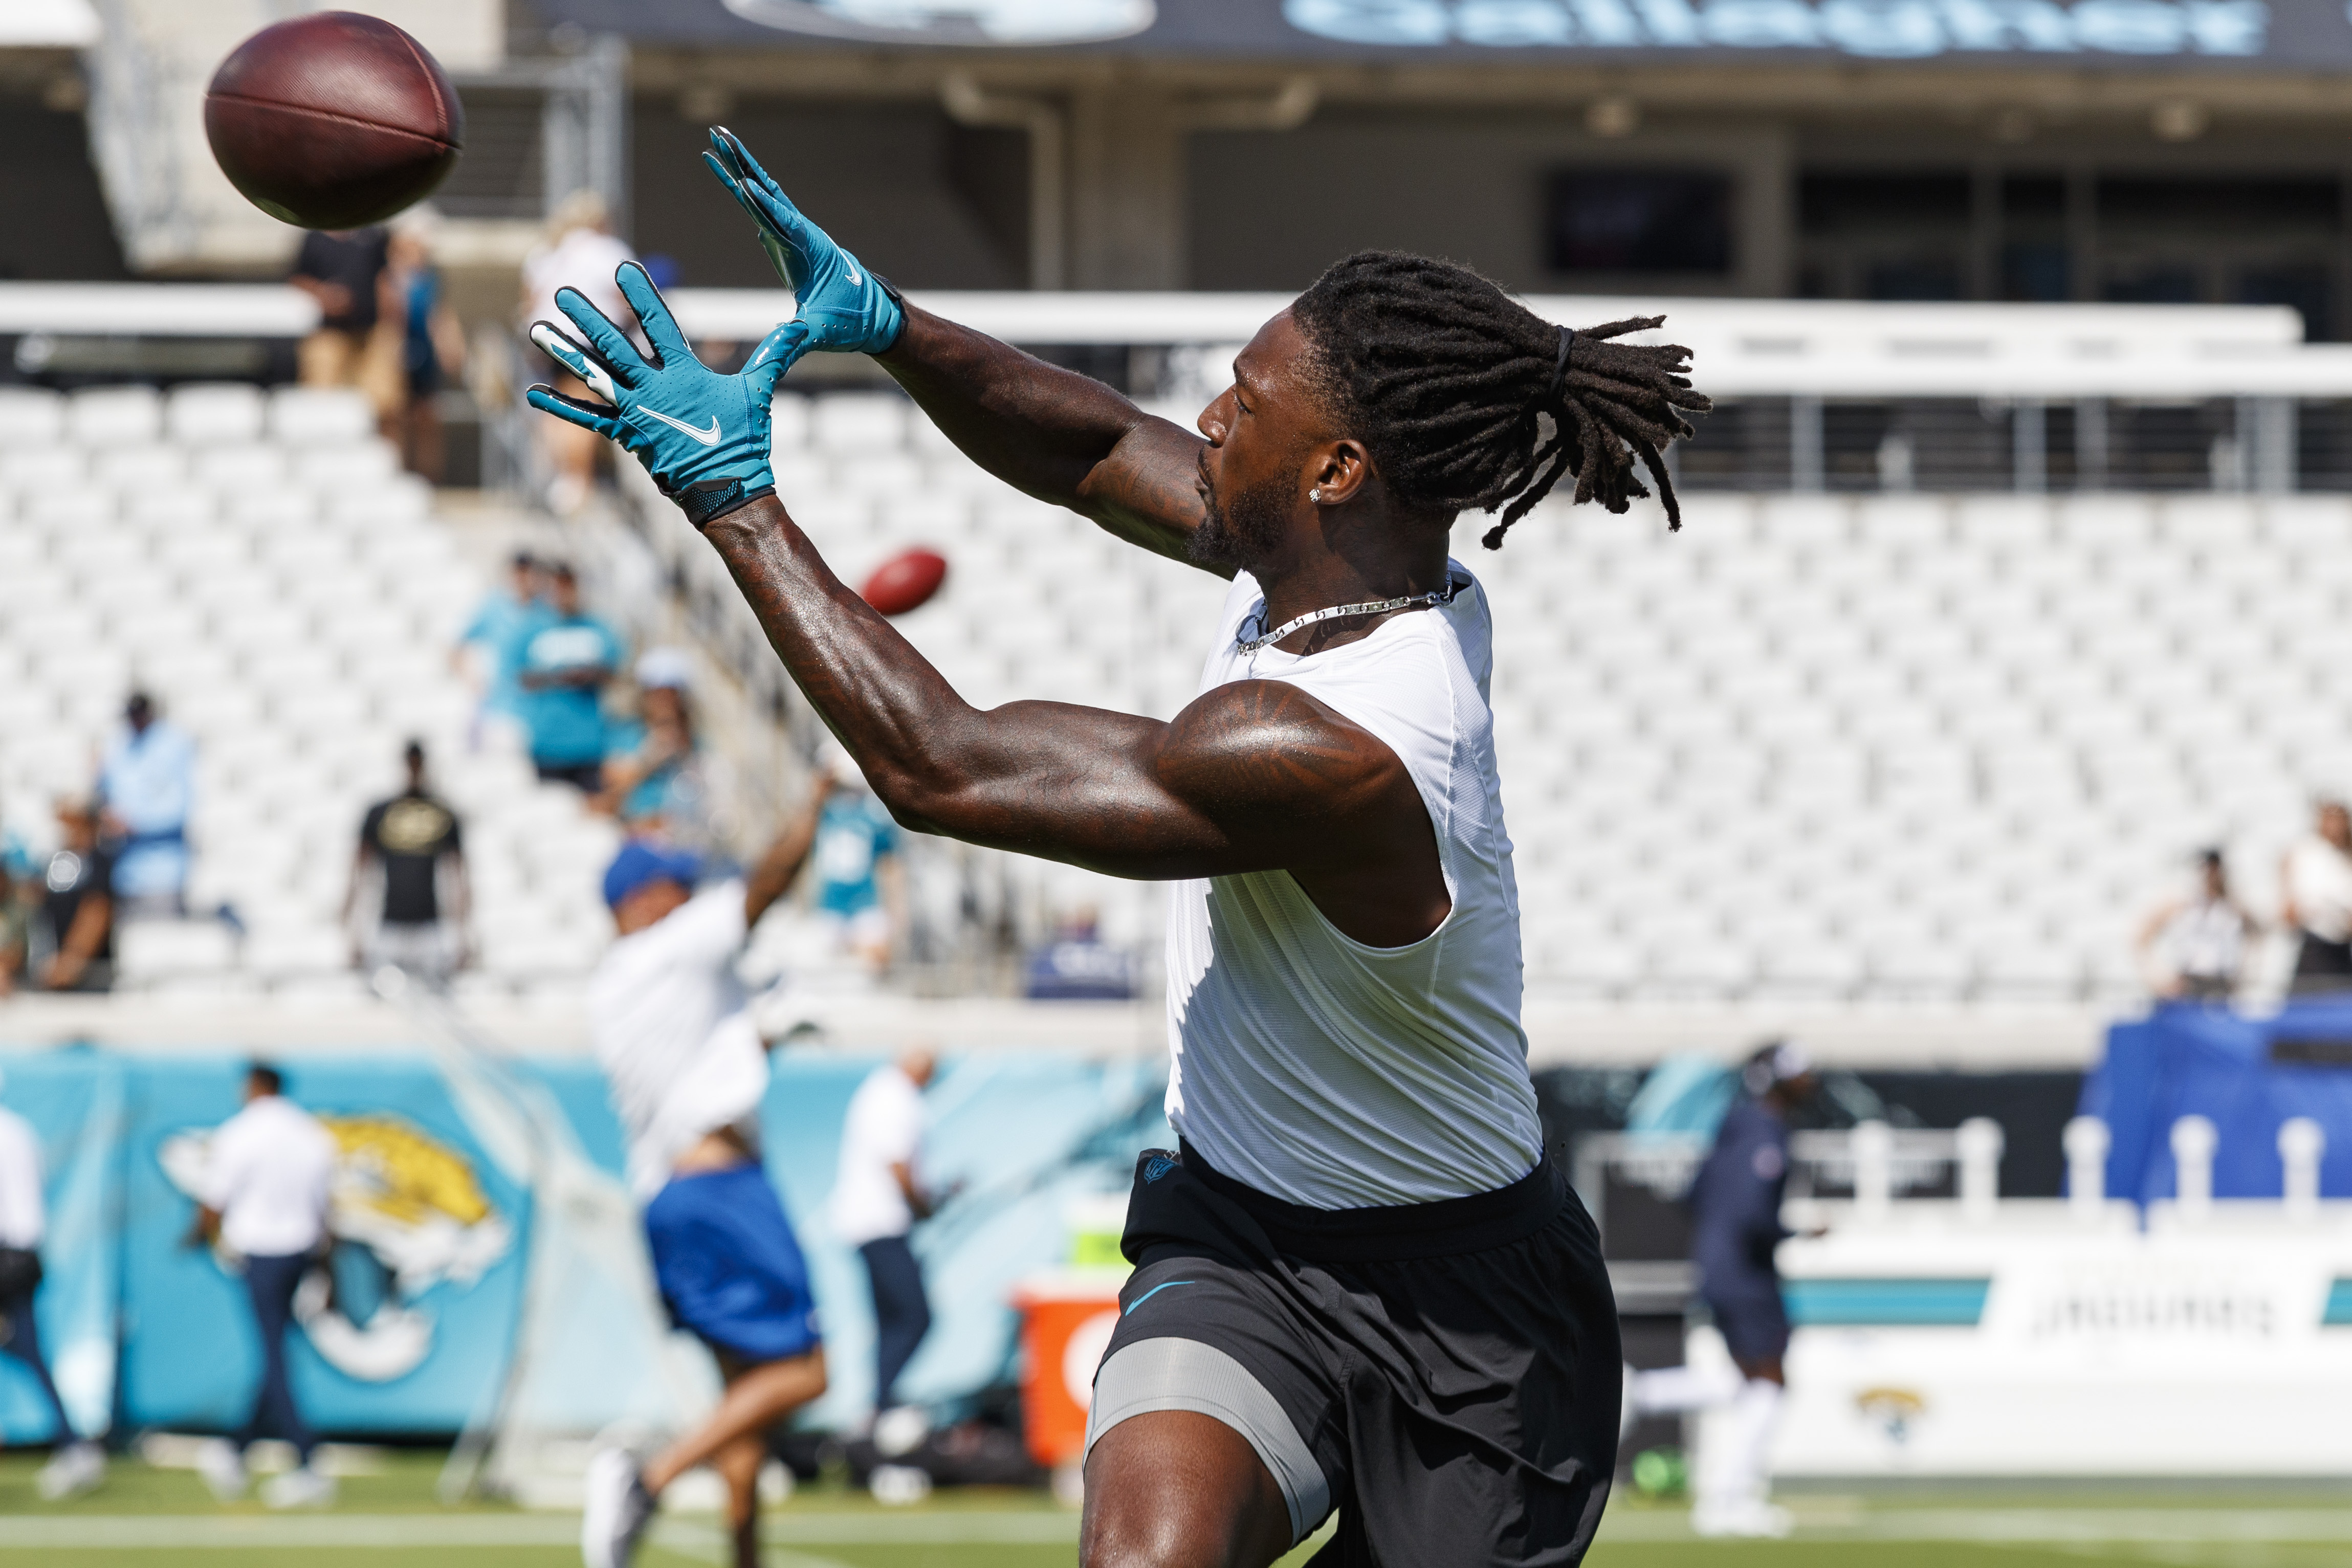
(1559, 366)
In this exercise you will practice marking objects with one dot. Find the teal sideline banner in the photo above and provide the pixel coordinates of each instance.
(145, 1328)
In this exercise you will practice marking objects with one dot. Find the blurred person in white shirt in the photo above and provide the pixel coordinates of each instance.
(878, 1197)
(2316, 899)
(267, 1171)
(2193, 947)
(579, 252)
(688, 1070)
(79, 1464)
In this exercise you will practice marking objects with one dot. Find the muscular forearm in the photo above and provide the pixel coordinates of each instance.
(1058, 436)
(938, 763)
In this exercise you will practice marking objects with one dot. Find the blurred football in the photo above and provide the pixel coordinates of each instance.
(905, 581)
(334, 120)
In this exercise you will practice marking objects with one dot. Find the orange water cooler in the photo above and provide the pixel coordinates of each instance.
(1066, 1318)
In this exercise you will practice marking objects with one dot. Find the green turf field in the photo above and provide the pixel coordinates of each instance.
(146, 1518)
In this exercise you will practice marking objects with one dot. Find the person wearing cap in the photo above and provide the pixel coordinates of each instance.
(412, 844)
(502, 624)
(146, 787)
(1735, 1209)
(77, 1465)
(659, 787)
(687, 1070)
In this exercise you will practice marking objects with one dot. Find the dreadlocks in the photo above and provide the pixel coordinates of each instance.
(1445, 377)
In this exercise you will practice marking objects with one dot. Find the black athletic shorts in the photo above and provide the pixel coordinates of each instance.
(1444, 1375)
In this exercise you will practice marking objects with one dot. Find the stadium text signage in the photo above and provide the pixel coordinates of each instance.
(1887, 30)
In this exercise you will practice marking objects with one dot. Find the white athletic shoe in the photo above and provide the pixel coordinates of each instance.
(618, 1508)
(72, 1471)
(1750, 1519)
(222, 1464)
(303, 1488)
(898, 1486)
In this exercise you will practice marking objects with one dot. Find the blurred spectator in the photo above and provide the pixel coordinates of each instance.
(76, 914)
(659, 787)
(878, 1197)
(340, 269)
(568, 657)
(411, 844)
(860, 887)
(15, 925)
(79, 1464)
(500, 628)
(2316, 899)
(432, 344)
(2193, 947)
(146, 787)
(579, 252)
(267, 1174)
(1079, 966)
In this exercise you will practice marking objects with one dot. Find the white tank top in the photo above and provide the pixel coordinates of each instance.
(1308, 1065)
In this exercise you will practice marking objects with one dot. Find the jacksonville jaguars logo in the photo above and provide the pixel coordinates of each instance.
(1155, 1167)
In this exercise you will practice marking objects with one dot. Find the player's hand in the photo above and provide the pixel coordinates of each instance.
(703, 436)
(847, 309)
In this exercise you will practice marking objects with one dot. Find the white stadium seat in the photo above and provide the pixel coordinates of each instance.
(307, 416)
(206, 415)
(114, 416)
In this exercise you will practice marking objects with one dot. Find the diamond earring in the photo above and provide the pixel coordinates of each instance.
(1315, 495)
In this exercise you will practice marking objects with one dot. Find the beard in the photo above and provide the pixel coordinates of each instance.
(1243, 531)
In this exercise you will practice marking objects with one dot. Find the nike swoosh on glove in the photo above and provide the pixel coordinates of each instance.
(703, 436)
(847, 309)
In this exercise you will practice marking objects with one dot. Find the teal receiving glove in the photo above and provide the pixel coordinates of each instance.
(848, 310)
(703, 436)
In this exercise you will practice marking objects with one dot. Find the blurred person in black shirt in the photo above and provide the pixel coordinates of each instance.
(343, 270)
(76, 914)
(413, 843)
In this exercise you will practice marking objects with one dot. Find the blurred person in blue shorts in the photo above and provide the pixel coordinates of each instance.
(859, 889)
(500, 629)
(568, 659)
(147, 788)
(79, 1464)
(688, 1069)
(267, 1173)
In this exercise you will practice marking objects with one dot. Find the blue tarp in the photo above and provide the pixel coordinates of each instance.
(2218, 1064)
(146, 1331)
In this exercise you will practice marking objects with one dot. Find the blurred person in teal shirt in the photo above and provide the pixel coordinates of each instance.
(569, 656)
(500, 628)
(859, 888)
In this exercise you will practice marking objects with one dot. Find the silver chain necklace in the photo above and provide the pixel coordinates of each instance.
(1376, 607)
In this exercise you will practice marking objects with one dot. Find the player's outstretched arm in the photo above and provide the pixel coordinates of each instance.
(1254, 775)
(1052, 433)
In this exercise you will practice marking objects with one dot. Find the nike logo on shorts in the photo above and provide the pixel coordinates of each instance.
(708, 437)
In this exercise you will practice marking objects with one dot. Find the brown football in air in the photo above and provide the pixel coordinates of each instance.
(332, 121)
(905, 580)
